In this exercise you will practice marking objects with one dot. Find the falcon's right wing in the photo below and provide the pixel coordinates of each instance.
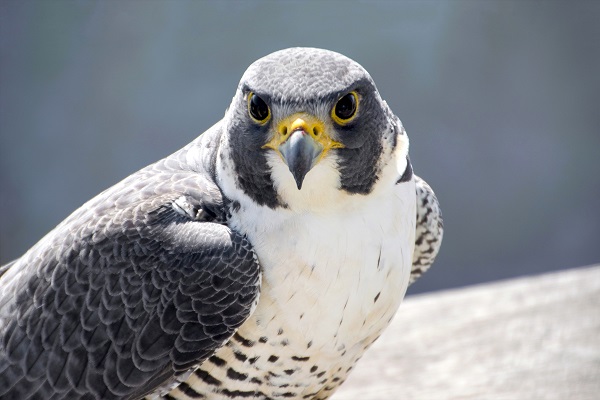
(133, 289)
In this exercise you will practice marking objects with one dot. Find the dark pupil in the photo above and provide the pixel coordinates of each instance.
(258, 108)
(345, 107)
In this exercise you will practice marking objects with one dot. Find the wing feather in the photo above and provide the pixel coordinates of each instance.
(429, 229)
(128, 292)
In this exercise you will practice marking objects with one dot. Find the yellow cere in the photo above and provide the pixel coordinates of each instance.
(309, 124)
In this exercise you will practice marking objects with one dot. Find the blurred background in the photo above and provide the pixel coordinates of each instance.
(501, 101)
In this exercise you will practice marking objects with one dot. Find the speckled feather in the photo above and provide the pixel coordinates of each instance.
(430, 230)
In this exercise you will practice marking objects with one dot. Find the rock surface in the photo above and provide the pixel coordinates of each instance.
(530, 338)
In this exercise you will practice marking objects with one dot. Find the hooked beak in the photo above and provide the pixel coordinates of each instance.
(302, 142)
(300, 152)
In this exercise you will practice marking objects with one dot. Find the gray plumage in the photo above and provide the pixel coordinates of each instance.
(143, 283)
(127, 292)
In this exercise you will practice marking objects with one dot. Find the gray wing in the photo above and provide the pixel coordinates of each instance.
(429, 229)
(133, 289)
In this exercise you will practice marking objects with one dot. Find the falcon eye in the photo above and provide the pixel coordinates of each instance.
(258, 109)
(345, 108)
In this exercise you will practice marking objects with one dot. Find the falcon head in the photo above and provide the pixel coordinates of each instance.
(306, 128)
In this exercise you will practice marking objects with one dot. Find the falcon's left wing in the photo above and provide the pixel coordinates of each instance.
(429, 229)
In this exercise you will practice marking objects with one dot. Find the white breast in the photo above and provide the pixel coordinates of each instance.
(335, 277)
(335, 266)
(335, 269)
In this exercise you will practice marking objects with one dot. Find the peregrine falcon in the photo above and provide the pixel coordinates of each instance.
(259, 261)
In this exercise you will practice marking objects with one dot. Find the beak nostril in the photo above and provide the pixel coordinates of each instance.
(316, 131)
(284, 130)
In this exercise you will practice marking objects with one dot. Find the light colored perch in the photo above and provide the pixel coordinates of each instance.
(529, 338)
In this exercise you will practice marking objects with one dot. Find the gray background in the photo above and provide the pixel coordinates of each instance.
(501, 100)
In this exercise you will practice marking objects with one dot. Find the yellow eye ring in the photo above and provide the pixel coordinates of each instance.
(258, 109)
(345, 109)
